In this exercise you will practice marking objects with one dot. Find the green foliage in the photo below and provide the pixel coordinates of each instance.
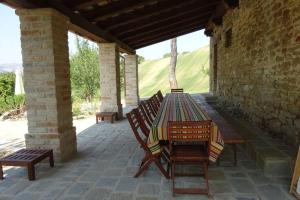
(191, 72)
(185, 52)
(85, 70)
(166, 55)
(9, 101)
(7, 84)
(140, 59)
(122, 74)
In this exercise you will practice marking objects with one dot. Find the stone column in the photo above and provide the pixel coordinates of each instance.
(44, 40)
(131, 80)
(110, 94)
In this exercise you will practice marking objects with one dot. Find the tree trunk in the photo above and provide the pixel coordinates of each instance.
(172, 69)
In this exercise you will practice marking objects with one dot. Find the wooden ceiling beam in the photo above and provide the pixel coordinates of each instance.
(22, 4)
(114, 8)
(151, 11)
(172, 29)
(163, 38)
(84, 24)
(165, 22)
(188, 21)
(79, 5)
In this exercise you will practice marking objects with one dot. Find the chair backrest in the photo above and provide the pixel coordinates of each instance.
(160, 96)
(178, 90)
(137, 126)
(154, 104)
(144, 116)
(189, 131)
(148, 109)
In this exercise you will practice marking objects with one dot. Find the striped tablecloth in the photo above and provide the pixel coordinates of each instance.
(181, 107)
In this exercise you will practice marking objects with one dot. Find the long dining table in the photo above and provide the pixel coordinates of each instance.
(181, 107)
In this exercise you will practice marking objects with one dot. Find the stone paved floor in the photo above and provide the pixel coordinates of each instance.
(107, 158)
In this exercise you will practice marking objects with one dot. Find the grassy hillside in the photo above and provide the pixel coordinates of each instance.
(191, 73)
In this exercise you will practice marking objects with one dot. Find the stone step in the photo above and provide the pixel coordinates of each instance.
(271, 155)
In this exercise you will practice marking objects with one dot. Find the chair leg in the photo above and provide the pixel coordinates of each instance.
(206, 177)
(51, 160)
(1, 172)
(160, 167)
(234, 155)
(173, 177)
(143, 167)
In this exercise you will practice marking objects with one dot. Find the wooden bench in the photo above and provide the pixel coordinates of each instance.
(26, 158)
(111, 116)
(230, 136)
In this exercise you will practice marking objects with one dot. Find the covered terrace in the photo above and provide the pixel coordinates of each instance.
(255, 68)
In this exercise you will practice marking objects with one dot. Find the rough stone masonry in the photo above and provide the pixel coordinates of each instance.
(258, 70)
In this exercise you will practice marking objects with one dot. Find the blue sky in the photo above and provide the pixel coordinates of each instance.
(10, 45)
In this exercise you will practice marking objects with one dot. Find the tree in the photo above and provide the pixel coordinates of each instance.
(172, 69)
(85, 71)
(140, 59)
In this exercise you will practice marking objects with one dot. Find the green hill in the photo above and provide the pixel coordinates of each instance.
(191, 72)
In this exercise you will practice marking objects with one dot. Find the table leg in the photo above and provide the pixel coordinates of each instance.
(1, 172)
(31, 172)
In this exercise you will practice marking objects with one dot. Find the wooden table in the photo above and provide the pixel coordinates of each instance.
(181, 107)
(26, 158)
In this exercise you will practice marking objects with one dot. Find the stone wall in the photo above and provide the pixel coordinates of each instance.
(259, 74)
(131, 81)
(45, 53)
(110, 78)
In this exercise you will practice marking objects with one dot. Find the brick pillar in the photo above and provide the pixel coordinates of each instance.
(131, 80)
(110, 95)
(47, 85)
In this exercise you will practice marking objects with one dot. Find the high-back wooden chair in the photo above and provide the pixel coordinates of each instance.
(154, 103)
(149, 111)
(160, 96)
(180, 134)
(145, 117)
(177, 90)
(136, 124)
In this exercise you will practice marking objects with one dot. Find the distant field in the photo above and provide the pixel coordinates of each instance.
(191, 73)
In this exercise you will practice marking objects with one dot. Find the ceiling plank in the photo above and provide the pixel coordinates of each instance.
(21, 3)
(155, 10)
(189, 20)
(86, 25)
(163, 38)
(164, 23)
(169, 29)
(115, 8)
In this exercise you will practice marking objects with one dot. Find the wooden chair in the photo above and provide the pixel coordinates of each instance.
(178, 90)
(149, 112)
(154, 103)
(137, 126)
(160, 96)
(146, 121)
(179, 135)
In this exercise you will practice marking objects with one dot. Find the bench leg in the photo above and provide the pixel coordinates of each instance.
(234, 155)
(51, 159)
(96, 120)
(1, 172)
(112, 119)
(31, 172)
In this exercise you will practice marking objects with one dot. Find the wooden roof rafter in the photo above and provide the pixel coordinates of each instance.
(189, 20)
(150, 18)
(141, 44)
(173, 28)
